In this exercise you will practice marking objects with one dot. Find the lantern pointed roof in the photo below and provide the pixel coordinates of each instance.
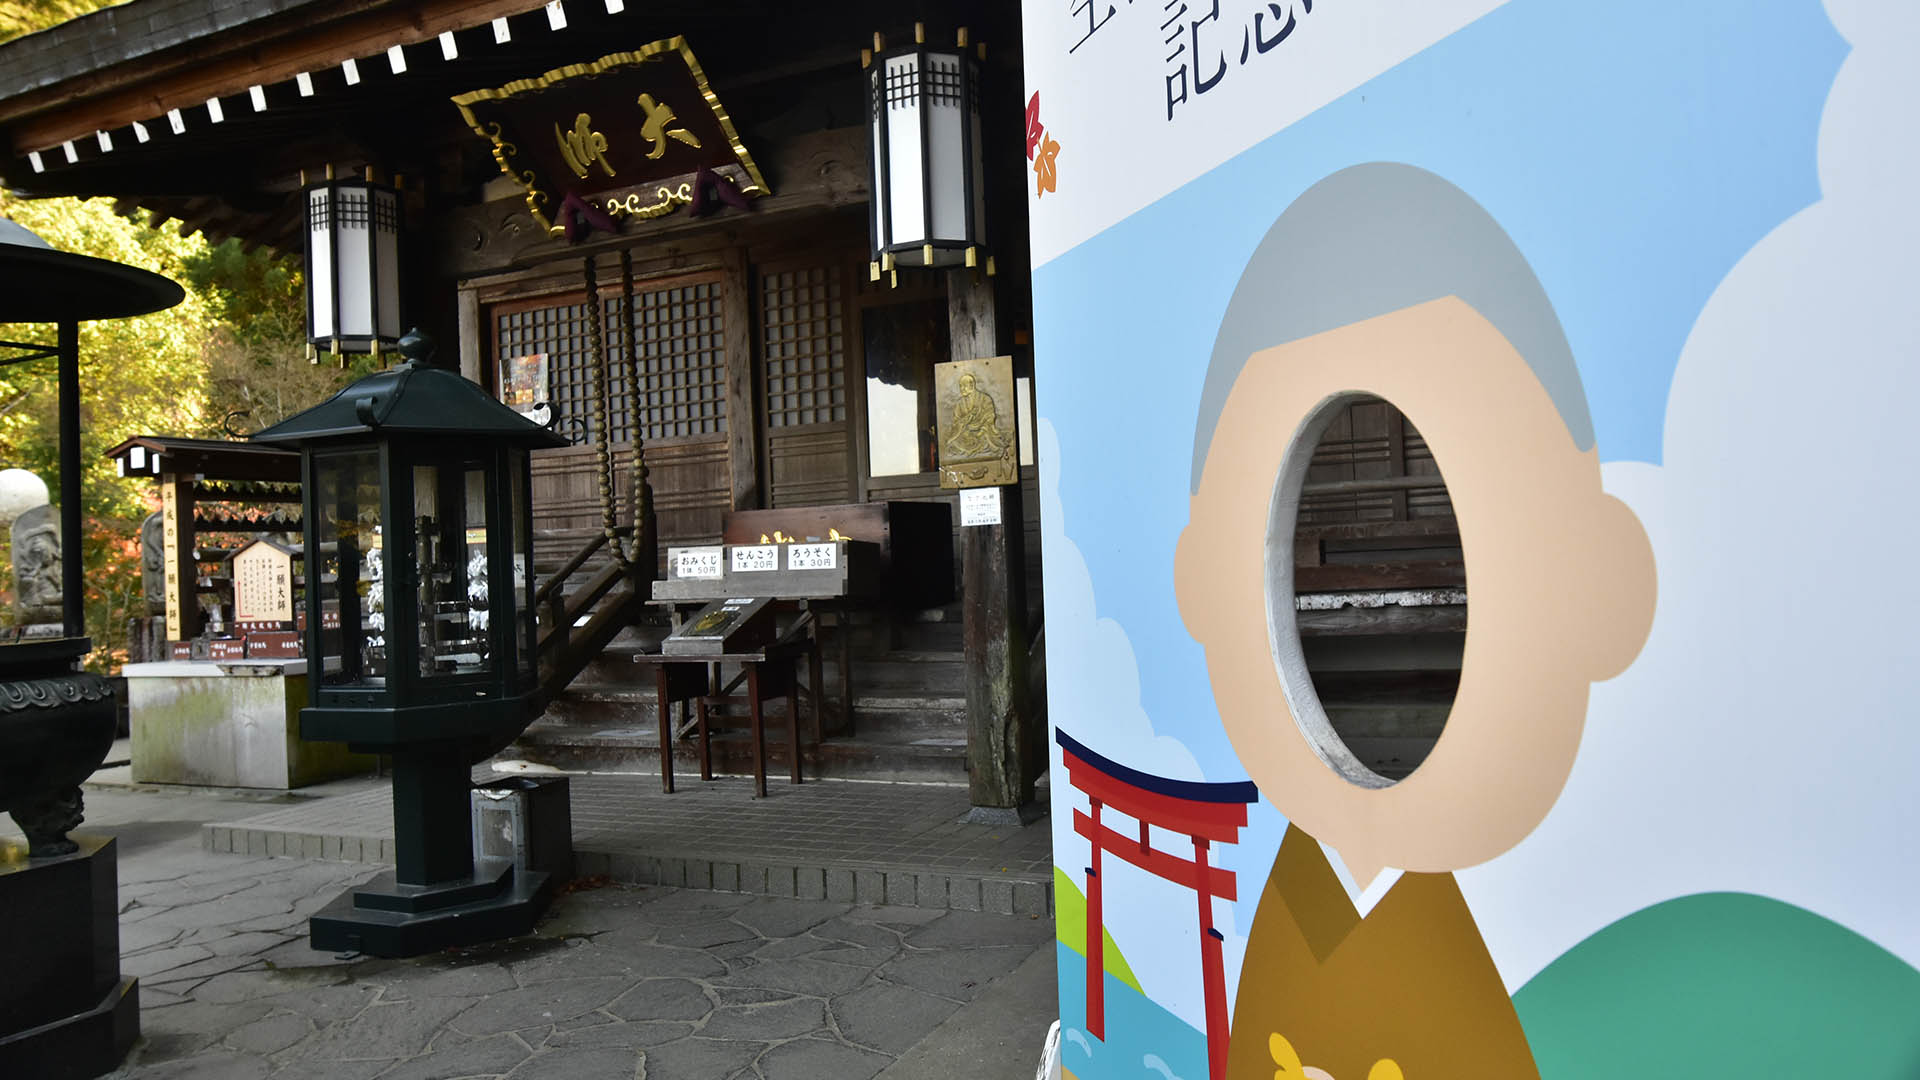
(411, 399)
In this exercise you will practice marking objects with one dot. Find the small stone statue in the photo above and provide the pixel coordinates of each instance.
(36, 565)
(153, 563)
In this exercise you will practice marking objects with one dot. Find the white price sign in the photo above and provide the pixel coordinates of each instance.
(979, 506)
(698, 562)
(749, 559)
(813, 556)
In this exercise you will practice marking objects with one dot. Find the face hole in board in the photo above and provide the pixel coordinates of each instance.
(1366, 589)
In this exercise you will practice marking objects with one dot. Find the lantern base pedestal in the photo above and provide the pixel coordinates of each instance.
(385, 917)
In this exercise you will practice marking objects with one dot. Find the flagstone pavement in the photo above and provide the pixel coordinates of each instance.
(643, 982)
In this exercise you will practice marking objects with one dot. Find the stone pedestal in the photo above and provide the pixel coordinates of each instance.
(64, 1009)
(234, 724)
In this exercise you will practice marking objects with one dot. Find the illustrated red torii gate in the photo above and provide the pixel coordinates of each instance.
(1207, 813)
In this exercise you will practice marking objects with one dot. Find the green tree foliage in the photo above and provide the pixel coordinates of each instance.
(230, 359)
(19, 17)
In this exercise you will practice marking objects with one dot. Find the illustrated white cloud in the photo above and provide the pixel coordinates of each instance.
(1093, 690)
(1765, 740)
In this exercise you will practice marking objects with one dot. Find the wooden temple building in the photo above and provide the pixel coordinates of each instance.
(779, 376)
(654, 223)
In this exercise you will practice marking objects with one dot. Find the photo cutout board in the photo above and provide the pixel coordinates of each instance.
(1465, 656)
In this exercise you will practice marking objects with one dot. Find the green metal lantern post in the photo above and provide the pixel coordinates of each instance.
(420, 634)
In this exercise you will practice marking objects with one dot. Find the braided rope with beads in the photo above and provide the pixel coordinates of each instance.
(602, 435)
(640, 496)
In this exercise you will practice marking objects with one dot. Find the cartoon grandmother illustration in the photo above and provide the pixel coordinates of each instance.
(1384, 279)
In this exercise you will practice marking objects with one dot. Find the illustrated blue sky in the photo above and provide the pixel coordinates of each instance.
(1633, 153)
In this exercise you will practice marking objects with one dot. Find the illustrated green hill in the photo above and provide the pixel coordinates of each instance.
(1070, 926)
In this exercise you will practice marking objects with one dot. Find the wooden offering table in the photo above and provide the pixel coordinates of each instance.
(768, 674)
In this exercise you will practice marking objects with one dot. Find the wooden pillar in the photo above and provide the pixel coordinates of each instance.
(182, 570)
(1000, 763)
(736, 317)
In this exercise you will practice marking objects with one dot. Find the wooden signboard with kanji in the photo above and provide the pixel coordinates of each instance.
(263, 583)
(635, 133)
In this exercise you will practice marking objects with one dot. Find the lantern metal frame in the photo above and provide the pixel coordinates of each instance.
(435, 725)
(383, 299)
(922, 84)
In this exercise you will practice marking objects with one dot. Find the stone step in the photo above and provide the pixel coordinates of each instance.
(591, 747)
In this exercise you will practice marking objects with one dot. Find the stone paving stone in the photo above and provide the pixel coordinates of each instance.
(330, 1070)
(749, 995)
(225, 913)
(544, 1004)
(968, 929)
(137, 936)
(854, 932)
(996, 896)
(954, 973)
(399, 1030)
(609, 1063)
(244, 944)
(769, 1022)
(420, 983)
(144, 965)
(672, 905)
(270, 1034)
(636, 1035)
(214, 1065)
(1030, 898)
(802, 976)
(786, 948)
(238, 986)
(706, 935)
(889, 1018)
(199, 970)
(615, 956)
(816, 1058)
(701, 1059)
(478, 1057)
(662, 999)
(893, 915)
(778, 918)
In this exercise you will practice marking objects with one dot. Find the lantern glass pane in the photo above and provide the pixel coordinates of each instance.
(522, 556)
(348, 593)
(946, 149)
(906, 190)
(386, 263)
(320, 264)
(450, 536)
(353, 273)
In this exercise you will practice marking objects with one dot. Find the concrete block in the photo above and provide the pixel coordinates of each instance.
(810, 883)
(963, 893)
(931, 891)
(349, 848)
(780, 881)
(902, 887)
(869, 887)
(726, 877)
(1029, 898)
(996, 896)
(840, 885)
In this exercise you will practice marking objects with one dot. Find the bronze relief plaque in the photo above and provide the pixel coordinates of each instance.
(974, 414)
